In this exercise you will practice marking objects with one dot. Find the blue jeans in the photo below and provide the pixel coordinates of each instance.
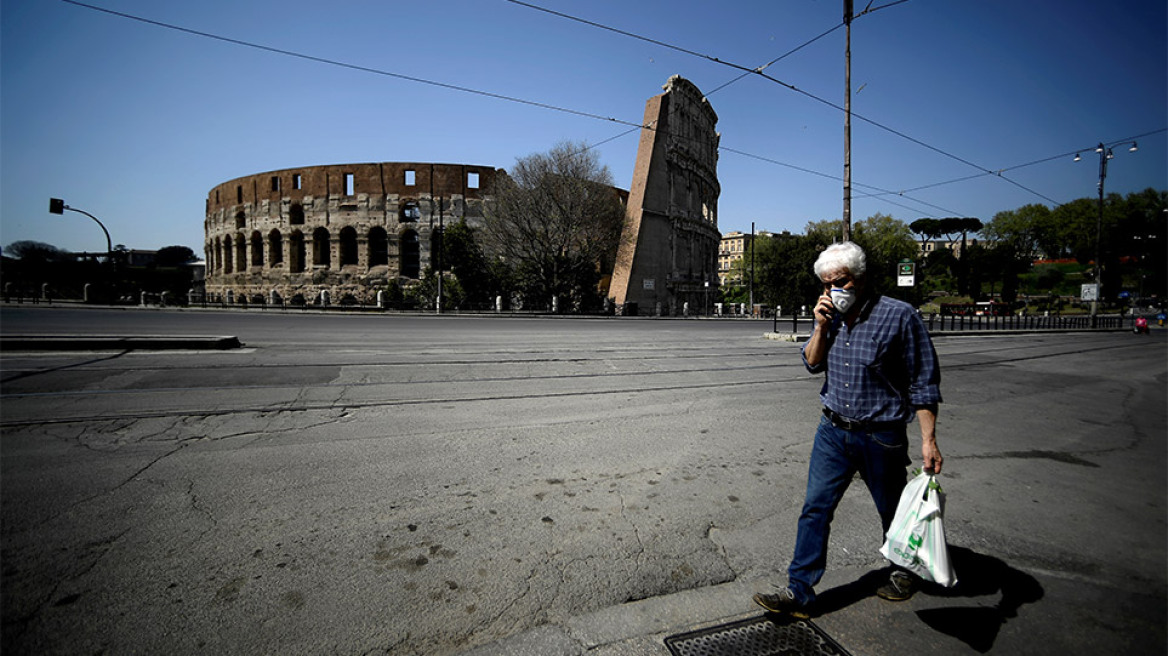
(879, 457)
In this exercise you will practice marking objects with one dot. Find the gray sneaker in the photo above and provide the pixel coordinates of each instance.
(900, 587)
(782, 602)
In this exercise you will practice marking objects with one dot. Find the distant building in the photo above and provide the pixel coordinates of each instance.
(927, 247)
(345, 232)
(346, 229)
(669, 249)
(733, 248)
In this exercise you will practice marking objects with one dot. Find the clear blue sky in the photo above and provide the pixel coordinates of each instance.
(135, 123)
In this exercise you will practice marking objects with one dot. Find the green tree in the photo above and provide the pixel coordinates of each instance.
(1023, 230)
(172, 256)
(35, 251)
(1016, 239)
(927, 229)
(1143, 242)
(950, 227)
(885, 240)
(1073, 233)
(556, 223)
(783, 269)
(463, 256)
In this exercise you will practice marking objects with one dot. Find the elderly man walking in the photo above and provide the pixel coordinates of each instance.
(882, 373)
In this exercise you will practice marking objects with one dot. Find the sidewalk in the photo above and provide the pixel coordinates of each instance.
(992, 609)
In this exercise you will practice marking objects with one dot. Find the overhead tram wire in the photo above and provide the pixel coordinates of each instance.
(798, 48)
(746, 73)
(837, 178)
(687, 51)
(759, 71)
(1019, 166)
(773, 61)
(355, 67)
(443, 85)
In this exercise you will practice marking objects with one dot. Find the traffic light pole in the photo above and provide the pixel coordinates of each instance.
(58, 206)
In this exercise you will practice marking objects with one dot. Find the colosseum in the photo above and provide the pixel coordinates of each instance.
(333, 234)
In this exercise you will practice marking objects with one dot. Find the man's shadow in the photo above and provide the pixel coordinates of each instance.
(977, 576)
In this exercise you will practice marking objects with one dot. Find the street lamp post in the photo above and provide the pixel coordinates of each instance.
(847, 217)
(752, 267)
(1105, 154)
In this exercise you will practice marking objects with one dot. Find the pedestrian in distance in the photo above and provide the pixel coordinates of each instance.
(881, 374)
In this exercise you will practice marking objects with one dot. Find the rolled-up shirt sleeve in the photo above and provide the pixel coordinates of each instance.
(924, 369)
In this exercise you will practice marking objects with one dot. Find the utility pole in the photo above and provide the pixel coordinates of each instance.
(752, 268)
(1105, 154)
(441, 247)
(847, 232)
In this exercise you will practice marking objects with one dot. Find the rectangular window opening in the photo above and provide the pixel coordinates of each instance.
(472, 180)
(239, 194)
(348, 184)
(411, 178)
(295, 180)
(275, 183)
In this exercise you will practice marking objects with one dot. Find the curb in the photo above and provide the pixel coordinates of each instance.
(117, 342)
(803, 337)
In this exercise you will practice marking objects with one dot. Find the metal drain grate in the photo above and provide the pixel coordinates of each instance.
(757, 636)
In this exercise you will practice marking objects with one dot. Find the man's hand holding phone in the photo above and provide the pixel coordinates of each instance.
(824, 310)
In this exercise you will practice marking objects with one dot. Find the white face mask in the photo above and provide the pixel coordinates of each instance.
(842, 299)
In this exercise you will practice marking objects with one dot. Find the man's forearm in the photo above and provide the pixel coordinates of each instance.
(815, 351)
(927, 418)
(930, 453)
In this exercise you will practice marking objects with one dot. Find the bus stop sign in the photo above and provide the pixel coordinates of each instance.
(906, 274)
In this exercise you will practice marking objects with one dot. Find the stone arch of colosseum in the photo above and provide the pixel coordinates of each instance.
(345, 229)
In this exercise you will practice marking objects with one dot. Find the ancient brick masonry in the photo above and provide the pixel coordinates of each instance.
(345, 229)
(669, 249)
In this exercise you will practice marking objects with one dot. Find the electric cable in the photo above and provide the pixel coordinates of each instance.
(355, 67)
(633, 126)
(759, 71)
(1020, 166)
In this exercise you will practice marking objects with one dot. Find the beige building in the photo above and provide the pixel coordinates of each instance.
(733, 249)
(927, 247)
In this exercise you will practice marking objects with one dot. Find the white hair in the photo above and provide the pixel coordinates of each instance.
(844, 256)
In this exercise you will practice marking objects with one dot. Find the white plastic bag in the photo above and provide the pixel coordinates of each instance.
(916, 539)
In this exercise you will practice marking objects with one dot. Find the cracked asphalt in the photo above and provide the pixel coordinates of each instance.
(427, 485)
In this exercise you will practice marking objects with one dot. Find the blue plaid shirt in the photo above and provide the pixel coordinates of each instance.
(882, 368)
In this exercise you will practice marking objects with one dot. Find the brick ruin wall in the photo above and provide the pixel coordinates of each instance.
(668, 254)
(345, 229)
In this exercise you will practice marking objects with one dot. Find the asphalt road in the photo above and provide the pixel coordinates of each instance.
(423, 485)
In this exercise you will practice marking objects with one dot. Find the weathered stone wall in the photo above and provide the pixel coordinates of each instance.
(345, 229)
(668, 253)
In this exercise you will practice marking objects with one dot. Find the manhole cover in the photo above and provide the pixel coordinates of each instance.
(758, 636)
